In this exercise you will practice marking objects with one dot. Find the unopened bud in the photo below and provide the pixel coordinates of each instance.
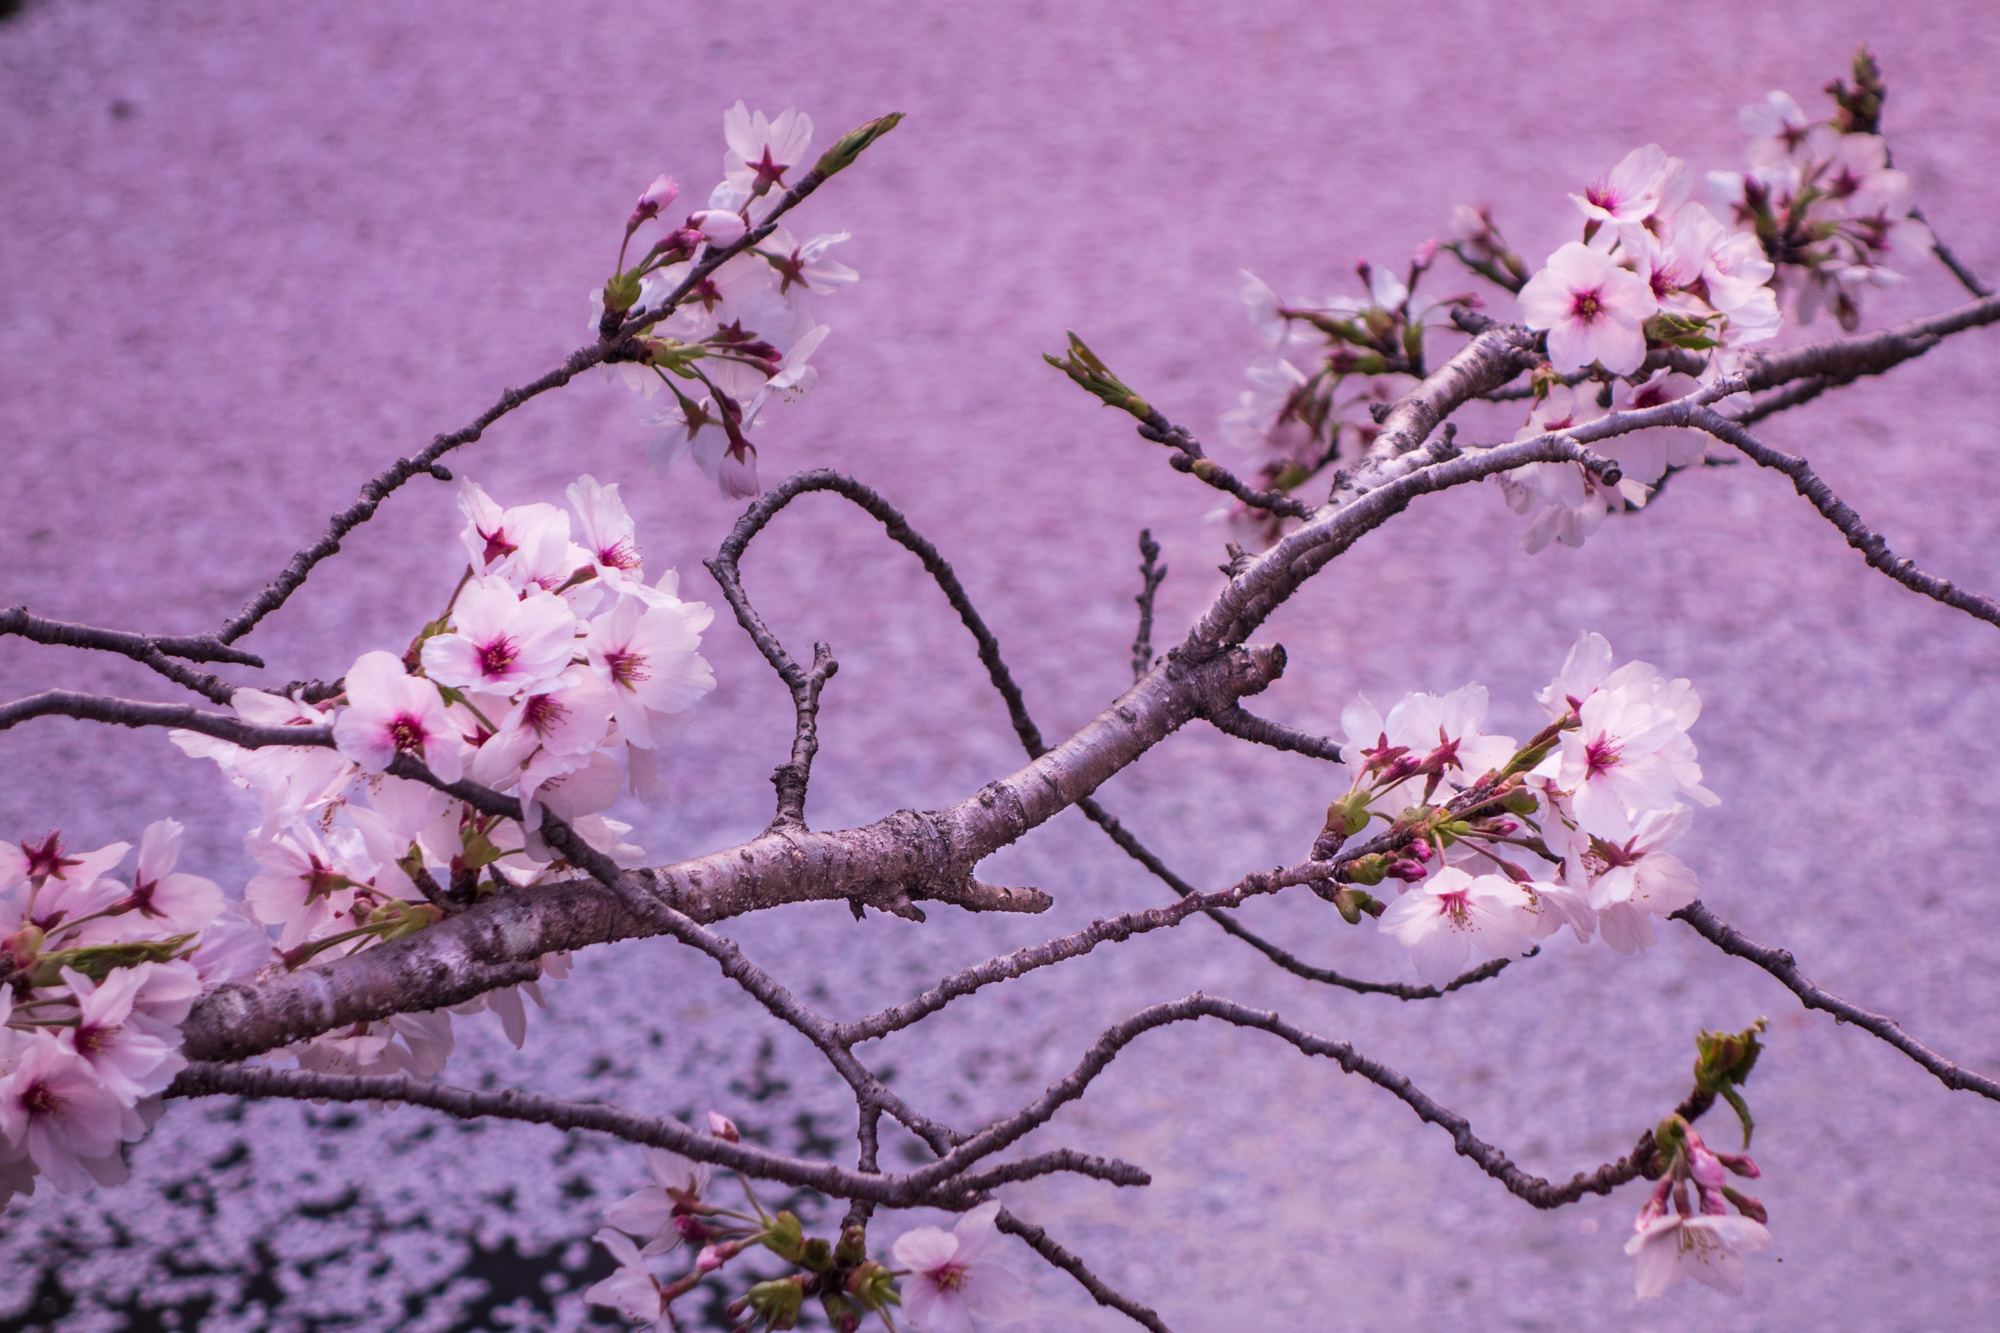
(621, 293)
(778, 1300)
(719, 225)
(658, 195)
(1746, 1205)
(1406, 870)
(784, 1237)
(853, 1247)
(850, 145)
(709, 1259)
(1425, 253)
(723, 1127)
(872, 1286)
(1366, 869)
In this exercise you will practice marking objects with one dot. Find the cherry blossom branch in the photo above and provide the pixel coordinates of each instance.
(1188, 457)
(207, 1079)
(1966, 278)
(143, 713)
(1780, 964)
(1038, 1240)
(1837, 512)
(153, 651)
(1151, 575)
(1534, 1190)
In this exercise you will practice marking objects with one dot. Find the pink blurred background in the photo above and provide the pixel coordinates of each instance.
(253, 252)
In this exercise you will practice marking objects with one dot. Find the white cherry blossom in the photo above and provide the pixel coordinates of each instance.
(1444, 917)
(1707, 1248)
(500, 641)
(391, 712)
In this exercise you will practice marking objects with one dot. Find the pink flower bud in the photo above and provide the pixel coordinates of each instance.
(708, 1260)
(658, 195)
(1410, 871)
(1656, 1204)
(723, 1127)
(1738, 1163)
(719, 225)
(1425, 253)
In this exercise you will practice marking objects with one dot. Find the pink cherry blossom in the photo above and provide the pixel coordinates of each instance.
(130, 1061)
(648, 655)
(661, 193)
(949, 1283)
(37, 862)
(501, 642)
(666, 1212)
(1643, 183)
(391, 712)
(566, 716)
(305, 884)
(163, 901)
(56, 1112)
(1441, 919)
(1611, 764)
(1594, 310)
(608, 531)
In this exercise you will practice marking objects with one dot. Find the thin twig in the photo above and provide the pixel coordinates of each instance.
(1188, 457)
(1039, 1241)
(1837, 512)
(1780, 964)
(1150, 576)
(1966, 278)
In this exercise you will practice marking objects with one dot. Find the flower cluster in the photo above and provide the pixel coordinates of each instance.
(1501, 844)
(1698, 1239)
(1326, 363)
(946, 1281)
(98, 977)
(1822, 199)
(555, 674)
(743, 334)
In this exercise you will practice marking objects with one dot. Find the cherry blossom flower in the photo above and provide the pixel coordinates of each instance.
(608, 531)
(1639, 870)
(631, 1291)
(306, 883)
(164, 901)
(56, 1112)
(391, 712)
(666, 1212)
(131, 1062)
(1611, 764)
(794, 378)
(647, 654)
(567, 716)
(949, 1283)
(36, 863)
(1780, 126)
(1638, 187)
(1705, 1247)
(500, 641)
(762, 150)
(1441, 919)
(1594, 311)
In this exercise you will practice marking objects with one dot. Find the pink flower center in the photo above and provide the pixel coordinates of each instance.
(1599, 757)
(769, 172)
(47, 858)
(90, 1038)
(1603, 196)
(497, 545)
(498, 657)
(627, 669)
(621, 554)
(1455, 905)
(1587, 306)
(41, 1099)
(951, 1275)
(406, 733)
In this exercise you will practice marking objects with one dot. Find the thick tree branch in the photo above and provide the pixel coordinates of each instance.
(1780, 964)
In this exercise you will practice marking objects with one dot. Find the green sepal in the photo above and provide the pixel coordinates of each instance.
(850, 145)
(98, 961)
(621, 293)
(784, 1237)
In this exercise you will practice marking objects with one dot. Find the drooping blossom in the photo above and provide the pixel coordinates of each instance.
(668, 1211)
(1704, 1247)
(631, 1290)
(950, 1283)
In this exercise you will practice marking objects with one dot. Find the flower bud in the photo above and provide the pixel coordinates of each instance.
(1406, 870)
(709, 1259)
(853, 1247)
(784, 1237)
(719, 225)
(1425, 253)
(872, 1286)
(1366, 869)
(1746, 1205)
(723, 1127)
(778, 1301)
(850, 145)
(658, 195)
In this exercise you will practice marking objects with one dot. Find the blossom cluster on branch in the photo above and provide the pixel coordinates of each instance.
(432, 828)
